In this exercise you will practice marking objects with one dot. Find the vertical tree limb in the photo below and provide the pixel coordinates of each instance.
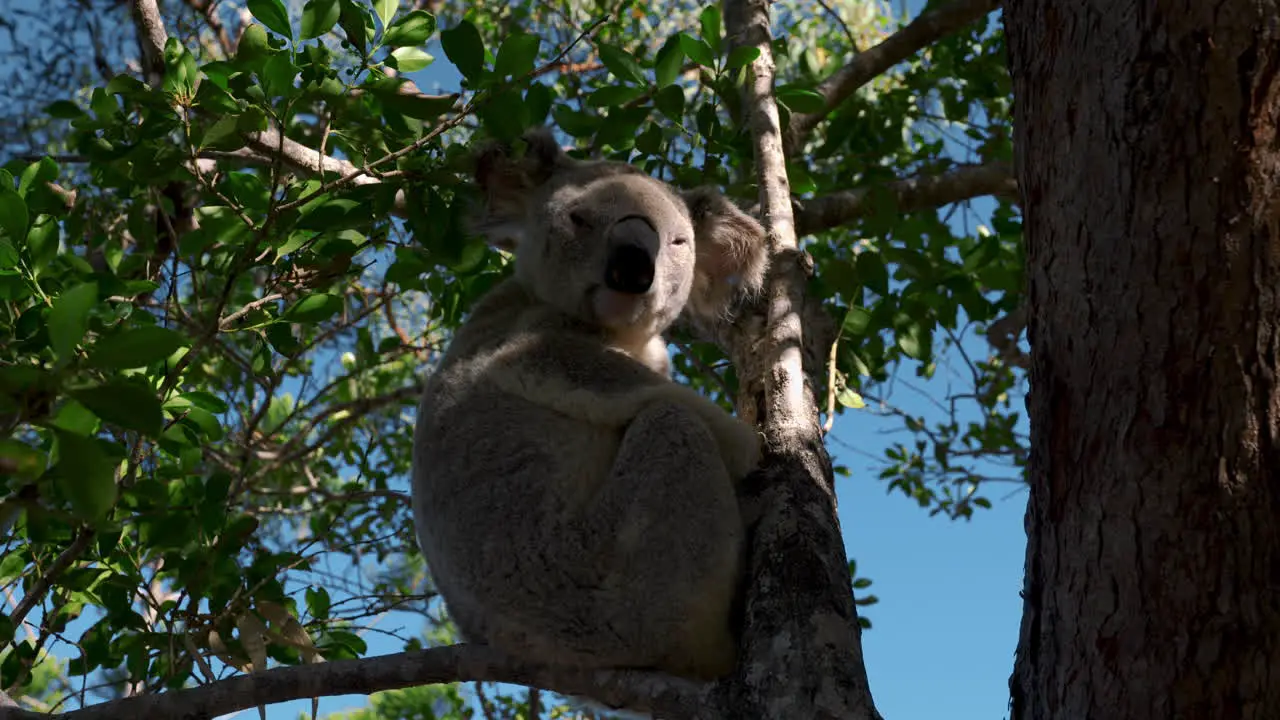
(802, 651)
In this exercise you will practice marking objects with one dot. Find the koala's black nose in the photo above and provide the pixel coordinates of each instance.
(629, 270)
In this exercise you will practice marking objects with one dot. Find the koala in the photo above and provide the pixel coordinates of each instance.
(574, 504)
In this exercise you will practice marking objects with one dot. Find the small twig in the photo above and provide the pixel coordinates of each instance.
(831, 387)
(853, 41)
(225, 322)
(44, 580)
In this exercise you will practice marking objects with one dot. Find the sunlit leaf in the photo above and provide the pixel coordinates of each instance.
(13, 214)
(318, 18)
(69, 318)
(411, 59)
(271, 13)
(412, 29)
(314, 308)
(386, 10)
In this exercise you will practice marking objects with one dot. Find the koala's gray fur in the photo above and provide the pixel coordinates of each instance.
(573, 503)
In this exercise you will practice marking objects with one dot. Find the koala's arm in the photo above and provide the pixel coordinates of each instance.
(582, 379)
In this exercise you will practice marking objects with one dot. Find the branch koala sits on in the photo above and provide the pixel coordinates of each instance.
(574, 504)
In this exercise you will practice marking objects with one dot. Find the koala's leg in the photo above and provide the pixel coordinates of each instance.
(671, 507)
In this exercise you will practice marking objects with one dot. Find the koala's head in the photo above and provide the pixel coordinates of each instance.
(612, 246)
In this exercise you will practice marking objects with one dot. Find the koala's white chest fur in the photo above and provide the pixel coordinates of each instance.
(573, 503)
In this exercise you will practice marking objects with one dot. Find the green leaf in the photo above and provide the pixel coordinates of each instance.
(13, 214)
(422, 107)
(670, 102)
(127, 404)
(85, 475)
(516, 56)
(873, 273)
(668, 61)
(37, 173)
(741, 57)
(208, 425)
(621, 64)
(851, 399)
(76, 418)
(411, 59)
(505, 116)
(278, 74)
(64, 110)
(537, 100)
(179, 68)
(386, 10)
(577, 124)
(314, 308)
(253, 46)
(69, 318)
(412, 29)
(212, 97)
(272, 14)
(135, 348)
(356, 24)
(8, 255)
(42, 241)
(856, 321)
(710, 21)
(318, 17)
(464, 48)
(915, 341)
(208, 401)
(801, 100)
(24, 460)
(615, 95)
(697, 50)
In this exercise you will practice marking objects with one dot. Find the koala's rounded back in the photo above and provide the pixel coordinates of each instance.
(573, 504)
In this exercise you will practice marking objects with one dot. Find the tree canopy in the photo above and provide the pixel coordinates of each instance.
(233, 236)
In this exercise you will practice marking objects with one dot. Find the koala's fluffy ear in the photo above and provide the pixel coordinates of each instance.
(733, 255)
(507, 182)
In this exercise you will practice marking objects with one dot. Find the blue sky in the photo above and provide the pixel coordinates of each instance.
(947, 622)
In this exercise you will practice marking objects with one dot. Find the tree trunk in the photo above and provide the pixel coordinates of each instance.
(1149, 164)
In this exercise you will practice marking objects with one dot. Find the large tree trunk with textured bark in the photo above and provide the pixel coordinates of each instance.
(1149, 164)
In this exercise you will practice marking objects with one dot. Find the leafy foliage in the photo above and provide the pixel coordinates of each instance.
(210, 341)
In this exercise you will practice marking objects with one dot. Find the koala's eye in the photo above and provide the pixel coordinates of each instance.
(578, 221)
(680, 240)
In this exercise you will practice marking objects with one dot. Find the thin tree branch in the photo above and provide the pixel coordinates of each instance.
(35, 594)
(646, 692)
(784, 384)
(151, 37)
(924, 30)
(909, 194)
(801, 648)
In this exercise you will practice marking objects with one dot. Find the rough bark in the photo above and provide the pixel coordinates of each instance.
(1150, 173)
(802, 646)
